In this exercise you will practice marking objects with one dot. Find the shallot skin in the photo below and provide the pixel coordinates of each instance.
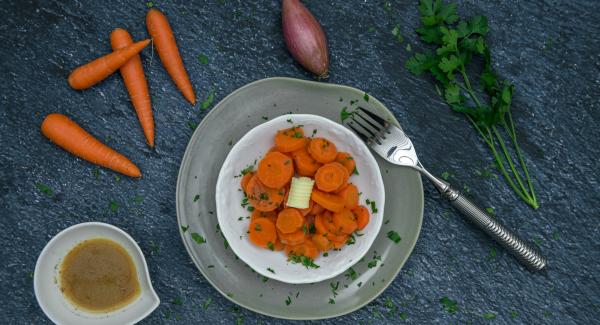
(305, 38)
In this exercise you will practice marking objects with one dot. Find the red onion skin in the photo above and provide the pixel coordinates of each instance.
(304, 37)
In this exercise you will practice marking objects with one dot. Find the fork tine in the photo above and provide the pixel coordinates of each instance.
(360, 134)
(363, 126)
(378, 128)
(375, 117)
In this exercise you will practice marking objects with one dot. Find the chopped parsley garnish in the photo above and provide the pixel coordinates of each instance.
(386, 222)
(271, 270)
(265, 279)
(445, 175)
(198, 238)
(288, 301)
(240, 218)
(138, 199)
(229, 294)
(331, 301)
(372, 264)
(353, 101)
(489, 315)
(117, 178)
(184, 228)
(266, 118)
(271, 246)
(450, 305)
(312, 228)
(264, 196)
(206, 303)
(244, 202)
(208, 101)
(96, 173)
(297, 135)
(314, 132)
(393, 236)
(305, 229)
(366, 97)
(113, 206)
(351, 274)
(248, 169)
(489, 210)
(177, 301)
(355, 171)
(351, 240)
(345, 114)
(334, 288)
(149, 4)
(325, 254)
(398, 34)
(287, 162)
(44, 189)
(306, 261)
(203, 58)
(197, 197)
(290, 121)
(372, 204)
(492, 253)
(257, 227)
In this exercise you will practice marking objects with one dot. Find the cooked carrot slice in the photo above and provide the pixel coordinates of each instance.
(304, 163)
(275, 170)
(306, 211)
(245, 180)
(263, 198)
(347, 161)
(350, 196)
(291, 139)
(340, 243)
(289, 220)
(271, 215)
(328, 201)
(322, 242)
(322, 150)
(345, 221)
(362, 216)
(262, 232)
(331, 177)
(308, 249)
(320, 224)
(294, 238)
(274, 149)
(278, 246)
(317, 209)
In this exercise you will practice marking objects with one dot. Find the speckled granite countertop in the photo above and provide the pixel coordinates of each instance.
(549, 49)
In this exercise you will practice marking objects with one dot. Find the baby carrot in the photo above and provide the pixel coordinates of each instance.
(70, 136)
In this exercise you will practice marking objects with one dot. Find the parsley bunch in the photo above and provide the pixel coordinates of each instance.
(456, 43)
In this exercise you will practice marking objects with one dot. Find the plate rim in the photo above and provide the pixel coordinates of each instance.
(185, 161)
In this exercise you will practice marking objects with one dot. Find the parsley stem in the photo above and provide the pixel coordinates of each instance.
(469, 89)
(509, 159)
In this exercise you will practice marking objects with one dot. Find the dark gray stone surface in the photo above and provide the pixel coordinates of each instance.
(549, 49)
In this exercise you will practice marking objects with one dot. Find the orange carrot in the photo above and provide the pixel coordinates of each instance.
(262, 232)
(331, 177)
(322, 242)
(263, 198)
(164, 41)
(362, 216)
(350, 196)
(337, 244)
(289, 220)
(135, 82)
(295, 238)
(305, 164)
(317, 209)
(328, 201)
(288, 140)
(245, 180)
(345, 221)
(275, 170)
(306, 211)
(307, 248)
(345, 159)
(322, 150)
(271, 215)
(68, 135)
(93, 72)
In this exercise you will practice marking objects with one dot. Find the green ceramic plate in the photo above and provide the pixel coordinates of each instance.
(228, 121)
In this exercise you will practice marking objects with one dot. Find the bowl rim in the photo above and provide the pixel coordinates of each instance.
(380, 188)
(65, 232)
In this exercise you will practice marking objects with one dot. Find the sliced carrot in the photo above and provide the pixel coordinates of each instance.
(345, 221)
(271, 215)
(347, 161)
(320, 224)
(340, 243)
(362, 216)
(350, 196)
(328, 201)
(294, 238)
(331, 177)
(262, 232)
(317, 209)
(275, 170)
(322, 242)
(288, 140)
(322, 150)
(308, 249)
(278, 246)
(274, 149)
(289, 220)
(245, 180)
(263, 198)
(305, 164)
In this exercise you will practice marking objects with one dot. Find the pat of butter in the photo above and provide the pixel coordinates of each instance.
(300, 192)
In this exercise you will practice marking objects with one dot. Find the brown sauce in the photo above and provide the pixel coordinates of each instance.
(98, 275)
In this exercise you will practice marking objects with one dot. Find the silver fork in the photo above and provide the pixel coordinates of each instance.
(390, 142)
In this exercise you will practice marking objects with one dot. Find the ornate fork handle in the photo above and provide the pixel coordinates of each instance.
(527, 254)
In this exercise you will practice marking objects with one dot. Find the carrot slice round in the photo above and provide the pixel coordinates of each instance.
(350, 196)
(263, 198)
(322, 150)
(275, 170)
(317, 209)
(271, 215)
(345, 221)
(322, 242)
(347, 161)
(288, 140)
(320, 224)
(304, 163)
(306, 211)
(289, 220)
(245, 180)
(274, 149)
(295, 238)
(308, 249)
(362, 216)
(328, 201)
(340, 243)
(262, 232)
(331, 177)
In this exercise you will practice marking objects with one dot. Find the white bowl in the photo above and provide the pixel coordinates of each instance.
(253, 146)
(47, 287)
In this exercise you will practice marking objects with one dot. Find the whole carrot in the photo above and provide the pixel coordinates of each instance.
(135, 82)
(164, 41)
(70, 136)
(93, 72)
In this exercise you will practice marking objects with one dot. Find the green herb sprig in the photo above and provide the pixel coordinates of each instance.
(456, 43)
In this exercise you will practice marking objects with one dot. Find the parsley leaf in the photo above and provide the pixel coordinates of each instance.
(198, 238)
(44, 189)
(208, 101)
(203, 58)
(450, 305)
(393, 236)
